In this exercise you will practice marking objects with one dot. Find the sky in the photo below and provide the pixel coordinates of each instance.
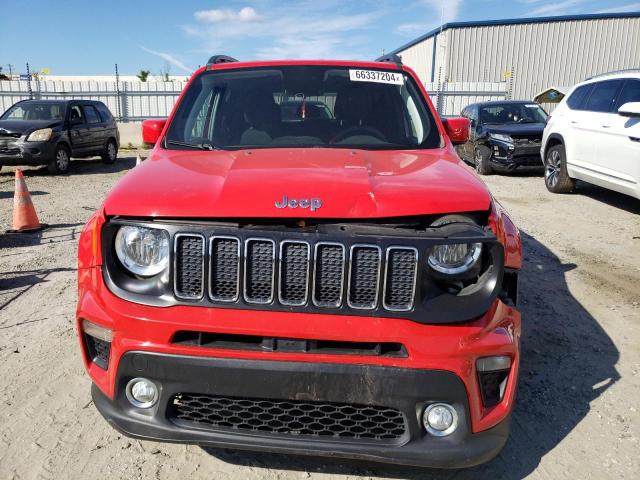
(88, 37)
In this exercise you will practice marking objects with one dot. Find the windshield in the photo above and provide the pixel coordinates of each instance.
(510, 113)
(303, 106)
(35, 111)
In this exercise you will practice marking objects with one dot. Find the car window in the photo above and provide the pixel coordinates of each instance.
(512, 113)
(577, 99)
(630, 92)
(303, 106)
(76, 113)
(91, 114)
(603, 96)
(104, 112)
(35, 111)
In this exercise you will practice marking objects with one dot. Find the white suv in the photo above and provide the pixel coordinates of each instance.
(594, 135)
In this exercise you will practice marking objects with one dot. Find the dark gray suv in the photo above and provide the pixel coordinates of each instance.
(50, 132)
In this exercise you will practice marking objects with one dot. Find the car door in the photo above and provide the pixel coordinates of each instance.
(619, 148)
(96, 128)
(78, 130)
(594, 124)
(474, 128)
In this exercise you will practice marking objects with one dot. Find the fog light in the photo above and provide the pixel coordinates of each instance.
(440, 419)
(142, 393)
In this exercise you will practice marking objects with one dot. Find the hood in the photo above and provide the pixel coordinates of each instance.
(27, 126)
(249, 183)
(516, 128)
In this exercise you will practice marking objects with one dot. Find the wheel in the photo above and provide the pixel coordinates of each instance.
(481, 159)
(61, 160)
(556, 177)
(110, 154)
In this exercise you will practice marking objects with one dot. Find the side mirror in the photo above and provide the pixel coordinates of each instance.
(631, 109)
(151, 130)
(457, 129)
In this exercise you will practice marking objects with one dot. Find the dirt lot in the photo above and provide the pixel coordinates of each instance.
(577, 414)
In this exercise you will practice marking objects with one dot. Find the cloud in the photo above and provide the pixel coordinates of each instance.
(630, 7)
(245, 14)
(556, 8)
(306, 29)
(440, 12)
(168, 58)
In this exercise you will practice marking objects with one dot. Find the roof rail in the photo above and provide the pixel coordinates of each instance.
(390, 58)
(221, 59)
(626, 70)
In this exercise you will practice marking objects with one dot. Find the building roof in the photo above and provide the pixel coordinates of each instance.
(514, 21)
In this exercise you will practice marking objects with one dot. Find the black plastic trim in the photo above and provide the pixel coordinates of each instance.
(407, 390)
(433, 304)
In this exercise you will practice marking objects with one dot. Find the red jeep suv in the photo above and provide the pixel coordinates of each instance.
(329, 281)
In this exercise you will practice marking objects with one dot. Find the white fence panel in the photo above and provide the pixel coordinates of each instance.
(450, 98)
(128, 101)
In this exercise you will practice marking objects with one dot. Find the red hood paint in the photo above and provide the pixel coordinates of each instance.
(248, 183)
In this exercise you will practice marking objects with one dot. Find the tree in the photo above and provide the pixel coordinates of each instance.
(143, 75)
(3, 76)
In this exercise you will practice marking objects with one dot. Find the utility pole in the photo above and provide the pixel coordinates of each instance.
(10, 70)
(118, 93)
(29, 80)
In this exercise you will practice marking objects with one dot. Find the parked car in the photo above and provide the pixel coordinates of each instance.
(594, 136)
(50, 132)
(504, 135)
(344, 287)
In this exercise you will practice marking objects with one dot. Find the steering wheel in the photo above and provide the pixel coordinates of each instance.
(353, 131)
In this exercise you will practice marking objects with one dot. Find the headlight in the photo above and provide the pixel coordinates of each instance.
(501, 137)
(454, 258)
(143, 251)
(41, 135)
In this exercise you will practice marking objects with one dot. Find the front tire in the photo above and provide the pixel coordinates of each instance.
(110, 154)
(481, 159)
(556, 177)
(60, 162)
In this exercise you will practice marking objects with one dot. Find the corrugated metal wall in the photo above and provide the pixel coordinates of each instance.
(539, 54)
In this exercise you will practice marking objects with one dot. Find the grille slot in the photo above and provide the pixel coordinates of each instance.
(328, 280)
(364, 276)
(290, 417)
(259, 270)
(294, 273)
(189, 266)
(400, 278)
(224, 274)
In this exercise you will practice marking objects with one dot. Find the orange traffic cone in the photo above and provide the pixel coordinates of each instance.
(25, 218)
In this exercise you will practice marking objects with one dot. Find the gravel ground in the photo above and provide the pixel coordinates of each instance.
(577, 412)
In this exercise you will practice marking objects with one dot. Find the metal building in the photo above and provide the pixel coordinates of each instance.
(525, 55)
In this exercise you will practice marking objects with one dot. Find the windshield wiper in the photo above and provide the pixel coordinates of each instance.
(200, 146)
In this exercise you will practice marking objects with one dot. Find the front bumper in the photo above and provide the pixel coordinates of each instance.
(509, 156)
(26, 153)
(406, 390)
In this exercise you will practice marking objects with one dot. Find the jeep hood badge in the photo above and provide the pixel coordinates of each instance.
(311, 203)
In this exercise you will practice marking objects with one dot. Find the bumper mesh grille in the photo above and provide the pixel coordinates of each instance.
(291, 417)
(189, 266)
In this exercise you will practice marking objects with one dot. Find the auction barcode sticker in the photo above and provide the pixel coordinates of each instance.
(376, 76)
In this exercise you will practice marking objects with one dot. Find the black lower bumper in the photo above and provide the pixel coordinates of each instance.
(406, 390)
(514, 157)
